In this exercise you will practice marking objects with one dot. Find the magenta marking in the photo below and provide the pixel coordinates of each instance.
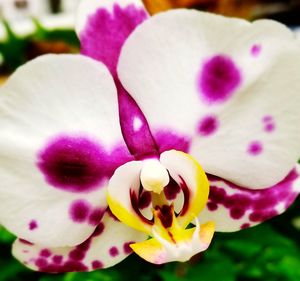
(168, 140)
(139, 142)
(25, 242)
(57, 259)
(78, 164)
(212, 206)
(40, 263)
(126, 247)
(245, 225)
(269, 124)
(259, 205)
(79, 211)
(99, 230)
(113, 251)
(218, 79)
(77, 254)
(255, 148)
(106, 32)
(208, 125)
(33, 225)
(97, 265)
(45, 253)
(256, 50)
(96, 216)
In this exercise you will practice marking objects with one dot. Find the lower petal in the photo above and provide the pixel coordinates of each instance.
(108, 246)
(233, 208)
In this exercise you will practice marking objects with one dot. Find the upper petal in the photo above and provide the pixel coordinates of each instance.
(104, 25)
(59, 144)
(228, 87)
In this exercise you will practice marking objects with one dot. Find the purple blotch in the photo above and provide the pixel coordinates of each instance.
(79, 211)
(106, 32)
(73, 164)
(57, 259)
(218, 79)
(168, 140)
(77, 254)
(208, 125)
(140, 143)
(97, 265)
(45, 253)
(33, 225)
(212, 206)
(78, 164)
(255, 148)
(99, 230)
(256, 50)
(245, 225)
(113, 251)
(259, 204)
(96, 216)
(126, 247)
(269, 124)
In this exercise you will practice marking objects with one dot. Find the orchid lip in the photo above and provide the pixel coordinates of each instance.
(170, 238)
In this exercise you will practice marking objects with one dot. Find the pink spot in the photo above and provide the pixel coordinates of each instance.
(212, 206)
(40, 263)
(259, 204)
(97, 264)
(237, 213)
(113, 251)
(96, 216)
(106, 32)
(57, 259)
(218, 79)
(269, 124)
(167, 140)
(45, 253)
(99, 230)
(79, 211)
(33, 225)
(245, 225)
(77, 254)
(255, 148)
(208, 126)
(256, 50)
(126, 247)
(73, 164)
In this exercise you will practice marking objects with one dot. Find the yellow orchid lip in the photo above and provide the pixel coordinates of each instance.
(170, 240)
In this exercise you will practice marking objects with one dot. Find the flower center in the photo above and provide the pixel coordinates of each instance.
(165, 219)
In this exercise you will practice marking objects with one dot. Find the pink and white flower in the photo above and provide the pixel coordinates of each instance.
(99, 151)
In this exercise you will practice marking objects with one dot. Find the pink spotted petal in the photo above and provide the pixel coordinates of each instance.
(107, 246)
(233, 208)
(104, 25)
(60, 142)
(229, 88)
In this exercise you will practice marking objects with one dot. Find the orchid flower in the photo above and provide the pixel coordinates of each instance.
(116, 149)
